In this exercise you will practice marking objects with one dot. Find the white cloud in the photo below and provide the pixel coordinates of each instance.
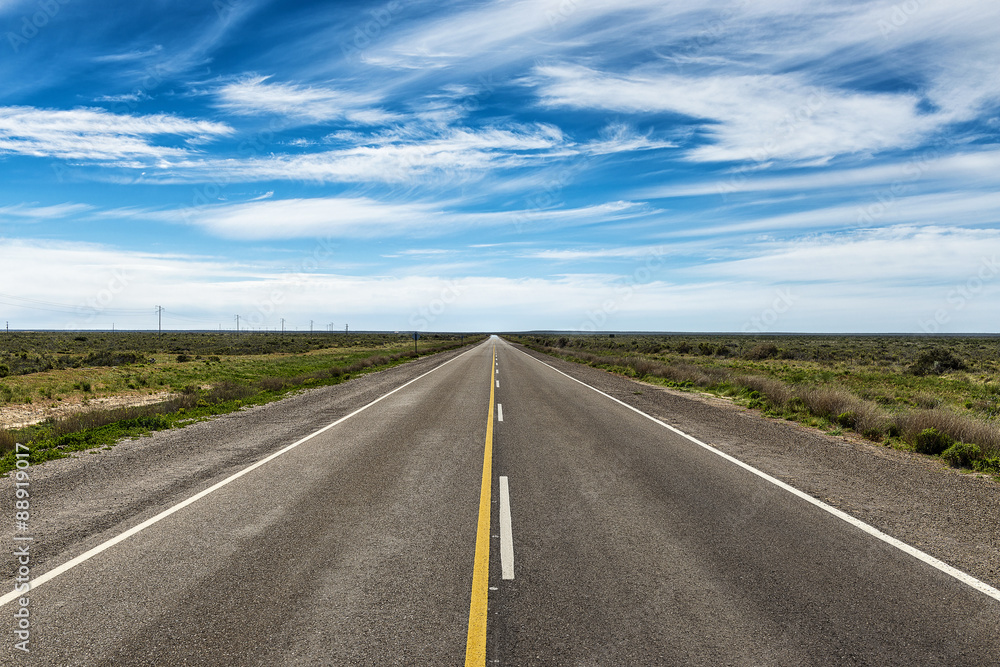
(361, 217)
(910, 255)
(254, 95)
(393, 157)
(866, 282)
(137, 96)
(929, 169)
(879, 209)
(129, 56)
(45, 212)
(629, 252)
(752, 117)
(522, 30)
(620, 138)
(95, 134)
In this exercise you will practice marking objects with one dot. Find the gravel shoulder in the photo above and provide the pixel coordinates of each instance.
(951, 515)
(81, 501)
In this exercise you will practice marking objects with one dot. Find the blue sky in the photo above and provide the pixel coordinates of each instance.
(509, 165)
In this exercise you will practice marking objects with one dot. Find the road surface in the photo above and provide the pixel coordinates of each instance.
(494, 511)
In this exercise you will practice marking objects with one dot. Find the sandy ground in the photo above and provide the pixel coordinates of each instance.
(25, 414)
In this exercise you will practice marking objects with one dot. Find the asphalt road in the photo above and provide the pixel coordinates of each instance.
(630, 545)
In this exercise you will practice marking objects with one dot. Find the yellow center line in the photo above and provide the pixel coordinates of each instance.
(475, 645)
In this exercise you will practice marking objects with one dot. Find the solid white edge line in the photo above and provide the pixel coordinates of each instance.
(499, 412)
(87, 555)
(965, 578)
(506, 536)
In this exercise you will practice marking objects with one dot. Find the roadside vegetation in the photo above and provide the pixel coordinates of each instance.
(932, 395)
(204, 374)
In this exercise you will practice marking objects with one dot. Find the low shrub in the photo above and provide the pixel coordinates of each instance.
(936, 362)
(990, 465)
(847, 419)
(932, 441)
(112, 358)
(762, 351)
(962, 454)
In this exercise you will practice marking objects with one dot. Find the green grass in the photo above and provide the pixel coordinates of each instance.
(159, 369)
(888, 389)
(207, 387)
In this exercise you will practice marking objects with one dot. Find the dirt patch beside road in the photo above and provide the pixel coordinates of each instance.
(26, 414)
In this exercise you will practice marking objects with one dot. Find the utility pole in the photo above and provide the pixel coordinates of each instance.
(282, 326)
(345, 328)
(159, 320)
(237, 324)
(310, 326)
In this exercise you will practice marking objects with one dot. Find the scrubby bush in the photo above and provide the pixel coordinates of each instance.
(847, 419)
(959, 427)
(112, 358)
(776, 392)
(932, 441)
(962, 454)
(181, 358)
(936, 362)
(762, 351)
(988, 464)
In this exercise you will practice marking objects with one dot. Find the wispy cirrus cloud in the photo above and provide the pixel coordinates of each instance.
(749, 117)
(392, 157)
(364, 217)
(36, 212)
(898, 254)
(256, 95)
(97, 135)
(623, 252)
